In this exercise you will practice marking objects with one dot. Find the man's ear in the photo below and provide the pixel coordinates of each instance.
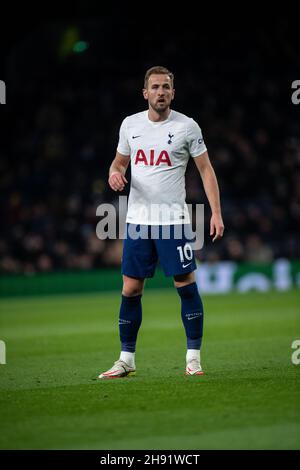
(145, 93)
(173, 94)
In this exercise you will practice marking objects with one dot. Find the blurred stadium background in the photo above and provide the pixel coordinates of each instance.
(70, 82)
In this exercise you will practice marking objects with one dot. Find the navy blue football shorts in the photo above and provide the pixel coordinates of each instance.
(144, 245)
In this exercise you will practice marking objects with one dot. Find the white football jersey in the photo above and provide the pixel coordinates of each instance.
(159, 153)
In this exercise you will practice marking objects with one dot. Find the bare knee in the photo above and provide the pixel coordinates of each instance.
(132, 286)
(184, 279)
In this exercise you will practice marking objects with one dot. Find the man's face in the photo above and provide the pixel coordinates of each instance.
(159, 92)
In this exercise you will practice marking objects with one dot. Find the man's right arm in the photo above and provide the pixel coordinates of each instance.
(117, 172)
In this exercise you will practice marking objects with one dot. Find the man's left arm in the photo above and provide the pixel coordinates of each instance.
(211, 188)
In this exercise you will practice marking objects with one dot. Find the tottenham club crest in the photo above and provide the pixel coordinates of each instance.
(170, 137)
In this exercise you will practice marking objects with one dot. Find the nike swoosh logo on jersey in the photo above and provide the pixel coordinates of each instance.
(135, 136)
(186, 265)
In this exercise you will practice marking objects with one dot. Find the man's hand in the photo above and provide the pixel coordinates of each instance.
(117, 181)
(216, 226)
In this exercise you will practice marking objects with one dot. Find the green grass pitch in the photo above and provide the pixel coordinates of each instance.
(249, 397)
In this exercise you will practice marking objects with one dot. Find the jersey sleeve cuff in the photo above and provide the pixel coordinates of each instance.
(199, 152)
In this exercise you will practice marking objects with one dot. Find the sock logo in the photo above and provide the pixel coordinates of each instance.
(124, 322)
(192, 316)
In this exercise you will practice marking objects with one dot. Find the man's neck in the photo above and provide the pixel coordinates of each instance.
(157, 117)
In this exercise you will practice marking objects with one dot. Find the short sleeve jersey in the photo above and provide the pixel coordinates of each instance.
(159, 153)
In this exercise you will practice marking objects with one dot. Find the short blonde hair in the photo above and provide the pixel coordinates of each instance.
(159, 70)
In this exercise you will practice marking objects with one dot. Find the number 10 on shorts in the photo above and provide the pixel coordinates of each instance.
(185, 253)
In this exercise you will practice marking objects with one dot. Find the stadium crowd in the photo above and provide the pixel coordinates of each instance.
(61, 133)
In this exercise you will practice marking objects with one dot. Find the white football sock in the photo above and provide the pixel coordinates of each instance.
(128, 357)
(193, 354)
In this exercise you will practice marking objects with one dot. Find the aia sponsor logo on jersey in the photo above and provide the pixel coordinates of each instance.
(152, 159)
